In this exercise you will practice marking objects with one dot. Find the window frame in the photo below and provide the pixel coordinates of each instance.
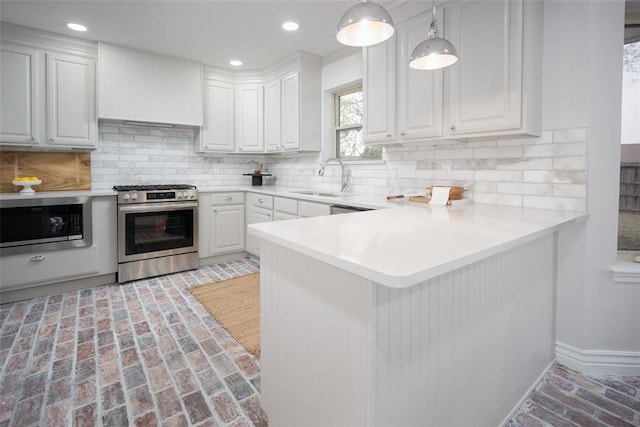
(337, 128)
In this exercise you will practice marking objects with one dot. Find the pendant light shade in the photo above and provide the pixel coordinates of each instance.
(434, 52)
(364, 24)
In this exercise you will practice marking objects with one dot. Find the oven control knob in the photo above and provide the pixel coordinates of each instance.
(179, 194)
(125, 196)
(191, 195)
(134, 196)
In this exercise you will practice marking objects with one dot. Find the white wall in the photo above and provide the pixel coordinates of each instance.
(597, 318)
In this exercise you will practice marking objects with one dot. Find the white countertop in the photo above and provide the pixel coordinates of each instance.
(57, 194)
(351, 199)
(412, 242)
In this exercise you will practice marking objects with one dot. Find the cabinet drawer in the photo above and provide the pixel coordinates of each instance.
(227, 198)
(282, 216)
(25, 270)
(310, 209)
(255, 199)
(289, 206)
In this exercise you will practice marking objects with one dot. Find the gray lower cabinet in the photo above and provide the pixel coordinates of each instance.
(34, 269)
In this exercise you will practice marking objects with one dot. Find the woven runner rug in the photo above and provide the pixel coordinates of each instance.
(235, 304)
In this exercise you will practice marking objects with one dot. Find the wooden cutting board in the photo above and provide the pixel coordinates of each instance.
(58, 171)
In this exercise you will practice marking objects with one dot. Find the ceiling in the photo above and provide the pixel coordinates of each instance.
(208, 31)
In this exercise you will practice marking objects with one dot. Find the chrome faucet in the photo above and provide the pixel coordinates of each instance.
(345, 173)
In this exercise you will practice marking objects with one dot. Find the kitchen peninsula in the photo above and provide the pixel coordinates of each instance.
(382, 317)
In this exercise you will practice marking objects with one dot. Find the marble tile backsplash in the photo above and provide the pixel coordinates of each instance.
(549, 171)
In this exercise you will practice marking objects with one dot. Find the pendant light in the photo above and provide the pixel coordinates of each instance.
(434, 52)
(364, 24)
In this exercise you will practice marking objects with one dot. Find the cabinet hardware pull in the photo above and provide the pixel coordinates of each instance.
(37, 258)
(51, 139)
(403, 133)
(228, 198)
(453, 127)
(260, 201)
(388, 135)
(33, 138)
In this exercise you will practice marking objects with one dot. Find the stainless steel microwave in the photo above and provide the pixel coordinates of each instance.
(44, 224)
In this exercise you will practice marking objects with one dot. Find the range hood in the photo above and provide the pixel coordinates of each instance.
(148, 89)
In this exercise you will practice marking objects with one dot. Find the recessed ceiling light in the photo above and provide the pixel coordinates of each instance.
(290, 26)
(235, 63)
(76, 27)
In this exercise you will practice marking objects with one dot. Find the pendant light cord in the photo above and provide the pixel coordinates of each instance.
(433, 28)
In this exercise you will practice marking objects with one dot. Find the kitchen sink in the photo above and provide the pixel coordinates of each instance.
(317, 193)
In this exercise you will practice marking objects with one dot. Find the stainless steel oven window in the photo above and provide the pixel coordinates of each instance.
(85, 238)
(154, 230)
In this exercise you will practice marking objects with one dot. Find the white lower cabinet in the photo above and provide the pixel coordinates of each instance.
(26, 270)
(40, 268)
(256, 215)
(259, 209)
(227, 229)
(311, 209)
(224, 225)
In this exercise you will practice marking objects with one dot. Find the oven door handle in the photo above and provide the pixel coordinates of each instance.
(147, 207)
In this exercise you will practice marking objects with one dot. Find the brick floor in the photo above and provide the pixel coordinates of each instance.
(145, 353)
(567, 398)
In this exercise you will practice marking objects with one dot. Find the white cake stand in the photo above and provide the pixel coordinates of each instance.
(27, 185)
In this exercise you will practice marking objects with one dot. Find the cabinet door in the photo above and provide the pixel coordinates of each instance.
(256, 215)
(19, 95)
(227, 229)
(272, 116)
(291, 111)
(283, 216)
(71, 117)
(485, 85)
(311, 209)
(218, 131)
(419, 92)
(250, 118)
(379, 92)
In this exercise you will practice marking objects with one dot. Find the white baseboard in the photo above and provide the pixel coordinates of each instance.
(525, 396)
(606, 362)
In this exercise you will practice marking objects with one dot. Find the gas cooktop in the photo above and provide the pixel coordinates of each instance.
(151, 187)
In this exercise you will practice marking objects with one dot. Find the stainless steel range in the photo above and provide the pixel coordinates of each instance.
(157, 230)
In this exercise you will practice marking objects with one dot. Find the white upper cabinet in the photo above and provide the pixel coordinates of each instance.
(291, 111)
(218, 132)
(47, 90)
(146, 87)
(71, 99)
(293, 119)
(19, 94)
(250, 118)
(277, 109)
(272, 116)
(419, 100)
(495, 87)
(493, 90)
(379, 92)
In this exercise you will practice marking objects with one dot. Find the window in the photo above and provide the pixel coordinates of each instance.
(347, 124)
(629, 205)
